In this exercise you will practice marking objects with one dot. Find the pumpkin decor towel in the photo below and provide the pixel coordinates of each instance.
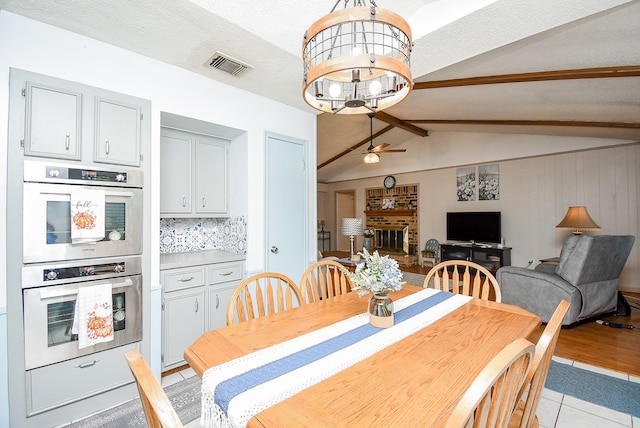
(93, 318)
(87, 216)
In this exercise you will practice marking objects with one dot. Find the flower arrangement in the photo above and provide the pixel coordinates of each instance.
(368, 233)
(377, 275)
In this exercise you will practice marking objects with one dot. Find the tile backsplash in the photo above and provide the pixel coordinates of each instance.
(179, 235)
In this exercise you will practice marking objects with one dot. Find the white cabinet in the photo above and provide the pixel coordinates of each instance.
(183, 304)
(117, 127)
(68, 120)
(194, 175)
(53, 121)
(194, 300)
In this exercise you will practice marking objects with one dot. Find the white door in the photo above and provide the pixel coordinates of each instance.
(287, 213)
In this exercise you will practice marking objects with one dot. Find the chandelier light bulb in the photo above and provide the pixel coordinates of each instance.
(375, 87)
(334, 90)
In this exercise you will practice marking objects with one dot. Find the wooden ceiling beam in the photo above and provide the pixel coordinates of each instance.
(622, 125)
(402, 124)
(355, 146)
(538, 76)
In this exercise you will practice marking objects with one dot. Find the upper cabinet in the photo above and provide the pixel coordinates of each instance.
(194, 175)
(68, 120)
(117, 132)
(52, 122)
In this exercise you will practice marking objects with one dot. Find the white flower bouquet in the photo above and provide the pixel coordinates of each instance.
(377, 275)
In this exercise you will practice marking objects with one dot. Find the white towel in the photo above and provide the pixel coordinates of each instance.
(93, 319)
(87, 216)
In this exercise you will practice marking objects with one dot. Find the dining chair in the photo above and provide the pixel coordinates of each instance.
(491, 398)
(525, 413)
(263, 294)
(157, 408)
(464, 277)
(323, 280)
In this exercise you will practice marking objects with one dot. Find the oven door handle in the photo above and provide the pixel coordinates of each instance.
(116, 193)
(50, 294)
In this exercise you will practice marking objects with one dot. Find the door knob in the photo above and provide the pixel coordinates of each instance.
(274, 249)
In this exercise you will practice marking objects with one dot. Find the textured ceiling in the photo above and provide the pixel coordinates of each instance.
(452, 40)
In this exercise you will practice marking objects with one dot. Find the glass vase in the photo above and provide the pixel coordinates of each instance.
(381, 310)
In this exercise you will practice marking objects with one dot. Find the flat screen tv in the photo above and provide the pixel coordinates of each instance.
(474, 226)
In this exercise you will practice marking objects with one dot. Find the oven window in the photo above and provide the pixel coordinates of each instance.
(60, 319)
(59, 221)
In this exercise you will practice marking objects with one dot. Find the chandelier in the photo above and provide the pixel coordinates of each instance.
(357, 60)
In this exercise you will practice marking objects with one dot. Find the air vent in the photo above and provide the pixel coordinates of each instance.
(227, 64)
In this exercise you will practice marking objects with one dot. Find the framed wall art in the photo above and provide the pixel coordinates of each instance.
(466, 183)
(489, 182)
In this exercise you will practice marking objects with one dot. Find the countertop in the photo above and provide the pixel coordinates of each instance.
(195, 258)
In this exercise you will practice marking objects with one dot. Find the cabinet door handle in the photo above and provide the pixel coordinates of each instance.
(204, 202)
(185, 279)
(226, 274)
(87, 364)
(184, 201)
(196, 306)
(217, 301)
(67, 142)
(106, 147)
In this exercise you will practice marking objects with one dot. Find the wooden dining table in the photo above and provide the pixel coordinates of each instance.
(414, 382)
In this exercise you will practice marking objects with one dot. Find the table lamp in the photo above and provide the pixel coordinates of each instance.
(578, 219)
(351, 227)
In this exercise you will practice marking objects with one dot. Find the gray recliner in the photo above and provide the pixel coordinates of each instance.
(586, 275)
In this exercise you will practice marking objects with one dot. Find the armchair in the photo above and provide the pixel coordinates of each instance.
(586, 275)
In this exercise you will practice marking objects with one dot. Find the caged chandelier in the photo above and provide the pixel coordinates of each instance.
(357, 60)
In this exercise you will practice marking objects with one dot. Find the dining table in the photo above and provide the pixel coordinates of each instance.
(414, 381)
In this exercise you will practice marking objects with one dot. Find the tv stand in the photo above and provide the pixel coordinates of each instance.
(488, 256)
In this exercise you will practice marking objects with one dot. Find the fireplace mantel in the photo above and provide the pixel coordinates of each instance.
(390, 212)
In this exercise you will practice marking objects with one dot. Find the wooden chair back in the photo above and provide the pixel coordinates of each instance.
(157, 407)
(525, 414)
(263, 294)
(492, 397)
(463, 277)
(323, 280)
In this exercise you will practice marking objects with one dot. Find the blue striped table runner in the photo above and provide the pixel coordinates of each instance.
(235, 391)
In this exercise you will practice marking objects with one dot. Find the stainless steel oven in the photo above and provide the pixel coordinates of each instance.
(49, 297)
(47, 211)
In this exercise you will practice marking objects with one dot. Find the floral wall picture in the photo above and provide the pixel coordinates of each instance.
(489, 182)
(466, 183)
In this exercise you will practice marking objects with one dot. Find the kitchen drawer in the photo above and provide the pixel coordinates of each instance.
(178, 279)
(224, 272)
(72, 380)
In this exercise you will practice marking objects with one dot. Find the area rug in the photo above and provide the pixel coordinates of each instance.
(617, 394)
(184, 395)
(413, 278)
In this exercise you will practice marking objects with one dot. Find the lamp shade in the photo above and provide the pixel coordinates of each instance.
(352, 226)
(578, 219)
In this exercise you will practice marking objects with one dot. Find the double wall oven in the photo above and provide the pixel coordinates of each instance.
(55, 267)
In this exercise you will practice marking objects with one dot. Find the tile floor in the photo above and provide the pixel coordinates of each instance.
(554, 411)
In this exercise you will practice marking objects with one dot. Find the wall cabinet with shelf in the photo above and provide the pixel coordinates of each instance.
(195, 177)
(194, 300)
(492, 258)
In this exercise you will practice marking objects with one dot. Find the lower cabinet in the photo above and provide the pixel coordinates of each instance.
(194, 300)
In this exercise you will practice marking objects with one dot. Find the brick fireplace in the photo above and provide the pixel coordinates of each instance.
(392, 215)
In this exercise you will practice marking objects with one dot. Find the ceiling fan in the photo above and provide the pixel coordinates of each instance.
(372, 153)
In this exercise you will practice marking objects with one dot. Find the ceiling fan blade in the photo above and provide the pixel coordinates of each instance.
(379, 147)
(391, 151)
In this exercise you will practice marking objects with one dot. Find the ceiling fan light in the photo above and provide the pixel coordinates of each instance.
(371, 158)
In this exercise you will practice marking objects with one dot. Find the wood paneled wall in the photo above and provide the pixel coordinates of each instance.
(535, 193)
